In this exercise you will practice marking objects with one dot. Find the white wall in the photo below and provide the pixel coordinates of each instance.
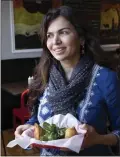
(6, 47)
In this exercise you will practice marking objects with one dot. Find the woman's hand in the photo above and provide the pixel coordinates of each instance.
(91, 137)
(20, 129)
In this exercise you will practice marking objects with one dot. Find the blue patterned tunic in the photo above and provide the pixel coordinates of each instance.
(100, 106)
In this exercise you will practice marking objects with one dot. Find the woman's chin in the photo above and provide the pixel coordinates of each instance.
(60, 58)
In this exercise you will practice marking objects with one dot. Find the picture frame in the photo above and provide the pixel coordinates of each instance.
(13, 36)
(25, 19)
(110, 25)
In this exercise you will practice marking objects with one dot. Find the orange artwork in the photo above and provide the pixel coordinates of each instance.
(27, 19)
(110, 16)
(110, 22)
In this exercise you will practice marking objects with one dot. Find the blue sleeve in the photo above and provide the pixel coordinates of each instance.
(33, 120)
(112, 97)
(111, 91)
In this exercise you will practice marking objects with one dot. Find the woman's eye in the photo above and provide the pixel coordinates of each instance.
(49, 36)
(64, 32)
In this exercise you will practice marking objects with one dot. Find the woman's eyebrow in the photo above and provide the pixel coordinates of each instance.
(64, 28)
(59, 30)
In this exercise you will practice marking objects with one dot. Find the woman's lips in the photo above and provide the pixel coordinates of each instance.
(59, 50)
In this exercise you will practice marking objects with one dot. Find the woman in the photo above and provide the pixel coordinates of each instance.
(69, 79)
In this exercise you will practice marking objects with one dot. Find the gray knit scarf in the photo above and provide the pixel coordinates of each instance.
(64, 96)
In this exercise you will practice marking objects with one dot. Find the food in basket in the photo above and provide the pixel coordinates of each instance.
(52, 132)
(70, 132)
(38, 131)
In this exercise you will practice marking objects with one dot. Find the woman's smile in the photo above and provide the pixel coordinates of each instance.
(59, 50)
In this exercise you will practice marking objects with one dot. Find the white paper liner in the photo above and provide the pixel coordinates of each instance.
(74, 143)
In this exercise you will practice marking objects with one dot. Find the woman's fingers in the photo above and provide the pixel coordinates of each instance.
(82, 128)
(91, 136)
(18, 131)
(86, 127)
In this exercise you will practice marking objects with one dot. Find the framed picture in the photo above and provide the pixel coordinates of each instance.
(100, 17)
(110, 24)
(25, 19)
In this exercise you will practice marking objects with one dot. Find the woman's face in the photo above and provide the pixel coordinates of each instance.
(63, 41)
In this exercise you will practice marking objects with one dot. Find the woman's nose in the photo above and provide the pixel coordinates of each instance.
(56, 40)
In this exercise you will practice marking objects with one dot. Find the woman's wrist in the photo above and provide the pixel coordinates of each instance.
(108, 139)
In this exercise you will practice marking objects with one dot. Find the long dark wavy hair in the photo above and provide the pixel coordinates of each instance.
(91, 48)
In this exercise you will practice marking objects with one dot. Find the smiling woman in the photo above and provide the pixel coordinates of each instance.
(75, 76)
